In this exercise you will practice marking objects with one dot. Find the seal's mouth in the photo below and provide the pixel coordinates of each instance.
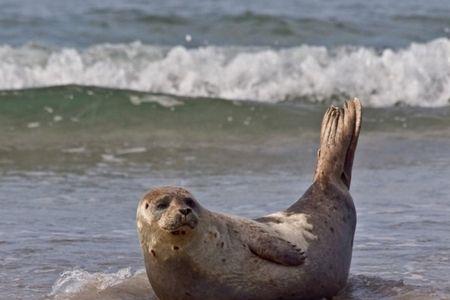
(182, 230)
(180, 225)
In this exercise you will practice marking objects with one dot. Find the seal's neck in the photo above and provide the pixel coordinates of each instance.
(182, 242)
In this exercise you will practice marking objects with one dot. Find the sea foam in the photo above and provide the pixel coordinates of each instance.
(76, 280)
(417, 75)
(80, 284)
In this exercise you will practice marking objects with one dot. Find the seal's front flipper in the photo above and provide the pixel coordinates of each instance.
(276, 250)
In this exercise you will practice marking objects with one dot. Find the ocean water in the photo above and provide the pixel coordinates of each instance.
(102, 100)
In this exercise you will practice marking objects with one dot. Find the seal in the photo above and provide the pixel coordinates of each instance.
(303, 252)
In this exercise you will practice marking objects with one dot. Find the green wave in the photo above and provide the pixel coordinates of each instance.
(89, 124)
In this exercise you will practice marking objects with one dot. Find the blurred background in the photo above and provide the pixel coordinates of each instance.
(102, 100)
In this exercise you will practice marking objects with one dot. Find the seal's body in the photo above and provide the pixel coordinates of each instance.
(303, 252)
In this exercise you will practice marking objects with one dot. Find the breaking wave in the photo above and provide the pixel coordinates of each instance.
(123, 284)
(418, 75)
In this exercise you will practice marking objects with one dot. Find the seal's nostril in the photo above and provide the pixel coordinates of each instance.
(185, 211)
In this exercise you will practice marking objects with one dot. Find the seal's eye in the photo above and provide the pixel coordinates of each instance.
(189, 202)
(162, 205)
(146, 205)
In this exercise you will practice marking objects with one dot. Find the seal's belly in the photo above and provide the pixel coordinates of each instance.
(184, 279)
(235, 273)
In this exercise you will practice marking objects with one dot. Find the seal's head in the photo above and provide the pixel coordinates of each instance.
(169, 209)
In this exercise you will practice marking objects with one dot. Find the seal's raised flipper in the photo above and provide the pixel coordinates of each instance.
(275, 249)
(338, 139)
